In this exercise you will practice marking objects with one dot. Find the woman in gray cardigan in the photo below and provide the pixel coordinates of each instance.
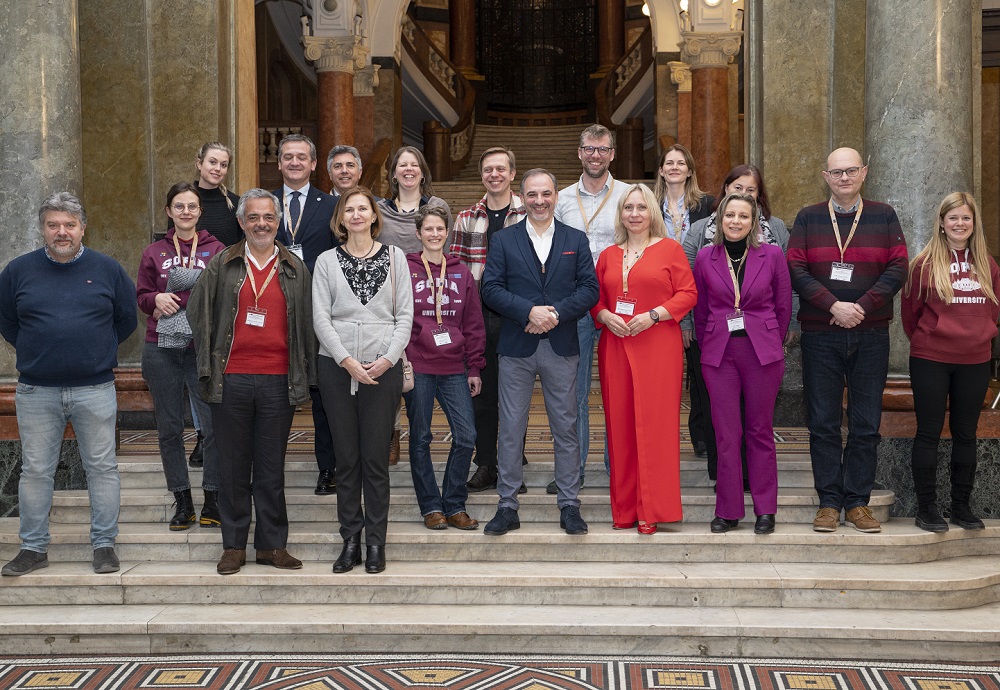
(363, 314)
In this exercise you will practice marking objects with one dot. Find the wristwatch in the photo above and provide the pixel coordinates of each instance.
(654, 315)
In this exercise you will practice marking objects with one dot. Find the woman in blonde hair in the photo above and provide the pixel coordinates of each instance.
(949, 311)
(218, 203)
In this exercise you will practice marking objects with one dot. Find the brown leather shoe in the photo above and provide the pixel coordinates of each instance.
(394, 448)
(862, 519)
(231, 562)
(435, 521)
(279, 558)
(827, 520)
(462, 521)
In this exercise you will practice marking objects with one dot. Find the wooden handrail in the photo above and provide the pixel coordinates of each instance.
(371, 169)
(624, 77)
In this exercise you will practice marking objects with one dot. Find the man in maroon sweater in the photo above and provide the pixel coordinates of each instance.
(847, 259)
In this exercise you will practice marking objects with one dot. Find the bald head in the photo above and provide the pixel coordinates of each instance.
(845, 173)
(844, 158)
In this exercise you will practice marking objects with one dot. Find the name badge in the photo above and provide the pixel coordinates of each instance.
(255, 317)
(442, 337)
(735, 321)
(625, 306)
(296, 249)
(841, 272)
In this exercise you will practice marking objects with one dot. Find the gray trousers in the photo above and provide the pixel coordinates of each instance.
(517, 381)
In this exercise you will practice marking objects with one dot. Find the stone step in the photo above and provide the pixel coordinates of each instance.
(795, 505)
(962, 582)
(970, 635)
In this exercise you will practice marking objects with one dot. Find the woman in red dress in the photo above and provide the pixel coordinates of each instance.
(646, 288)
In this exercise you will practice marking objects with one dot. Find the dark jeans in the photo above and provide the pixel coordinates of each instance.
(859, 359)
(251, 425)
(362, 425)
(166, 371)
(936, 387)
(452, 391)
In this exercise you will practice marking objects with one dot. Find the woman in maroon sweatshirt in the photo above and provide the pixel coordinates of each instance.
(949, 311)
(446, 349)
(168, 358)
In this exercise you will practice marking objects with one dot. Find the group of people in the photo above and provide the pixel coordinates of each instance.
(260, 303)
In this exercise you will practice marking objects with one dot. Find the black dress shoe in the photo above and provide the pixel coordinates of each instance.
(326, 485)
(700, 449)
(483, 479)
(764, 524)
(571, 520)
(374, 558)
(350, 556)
(720, 525)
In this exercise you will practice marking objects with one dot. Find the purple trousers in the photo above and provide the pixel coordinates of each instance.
(741, 376)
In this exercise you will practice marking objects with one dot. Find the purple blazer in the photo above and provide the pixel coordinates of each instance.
(765, 299)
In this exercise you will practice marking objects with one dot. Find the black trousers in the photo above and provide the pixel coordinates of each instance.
(936, 387)
(251, 435)
(486, 405)
(362, 429)
(325, 459)
(700, 420)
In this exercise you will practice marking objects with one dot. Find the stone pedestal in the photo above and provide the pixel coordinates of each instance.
(918, 110)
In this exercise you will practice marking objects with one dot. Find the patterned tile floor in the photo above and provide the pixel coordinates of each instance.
(483, 673)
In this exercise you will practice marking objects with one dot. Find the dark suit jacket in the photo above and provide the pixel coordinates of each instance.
(314, 233)
(765, 300)
(512, 284)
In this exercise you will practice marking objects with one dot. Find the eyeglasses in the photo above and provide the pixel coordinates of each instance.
(850, 172)
(267, 218)
(591, 150)
(181, 208)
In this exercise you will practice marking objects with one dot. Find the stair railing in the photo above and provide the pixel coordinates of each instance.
(612, 92)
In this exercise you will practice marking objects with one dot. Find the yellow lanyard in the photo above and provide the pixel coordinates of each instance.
(626, 267)
(194, 247)
(836, 228)
(253, 283)
(583, 214)
(440, 288)
(734, 276)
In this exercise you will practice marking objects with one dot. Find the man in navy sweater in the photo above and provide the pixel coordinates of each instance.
(66, 309)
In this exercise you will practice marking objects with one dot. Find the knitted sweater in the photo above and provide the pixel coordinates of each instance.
(66, 320)
(877, 252)
(398, 227)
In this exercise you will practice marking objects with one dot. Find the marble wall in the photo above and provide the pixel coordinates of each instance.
(69, 475)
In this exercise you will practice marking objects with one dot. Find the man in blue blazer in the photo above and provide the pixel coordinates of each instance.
(305, 231)
(540, 278)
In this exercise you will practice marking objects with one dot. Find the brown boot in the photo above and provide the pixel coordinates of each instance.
(279, 558)
(394, 448)
(231, 562)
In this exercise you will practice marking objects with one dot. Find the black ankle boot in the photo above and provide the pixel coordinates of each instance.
(185, 515)
(929, 519)
(210, 511)
(197, 458)
(962, 515)
(350, 556)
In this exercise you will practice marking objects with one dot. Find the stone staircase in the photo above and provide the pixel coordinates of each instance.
(903, 594)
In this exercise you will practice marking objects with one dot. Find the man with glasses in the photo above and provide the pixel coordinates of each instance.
(847, 258)
(590, 205)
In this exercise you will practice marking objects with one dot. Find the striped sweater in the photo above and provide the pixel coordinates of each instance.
(877, 252)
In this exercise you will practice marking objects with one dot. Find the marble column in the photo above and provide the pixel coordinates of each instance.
(39, 121)
(365, 81)
(709, 55)
(462, 36)
(610, 35)
(680, 74)
(336, 60)
(918, 110)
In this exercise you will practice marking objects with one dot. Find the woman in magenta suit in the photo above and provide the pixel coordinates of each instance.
(743, 310)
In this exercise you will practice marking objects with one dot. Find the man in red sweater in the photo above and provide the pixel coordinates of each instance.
(847, 259)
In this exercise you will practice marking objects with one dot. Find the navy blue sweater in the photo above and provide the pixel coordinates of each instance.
(66, 321)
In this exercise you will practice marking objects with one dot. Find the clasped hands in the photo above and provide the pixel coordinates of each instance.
(366, 373)
(846, 314)
(619, 327)
(541, 320)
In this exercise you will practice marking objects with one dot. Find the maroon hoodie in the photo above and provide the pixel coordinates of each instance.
(157, 260)
(461, 314)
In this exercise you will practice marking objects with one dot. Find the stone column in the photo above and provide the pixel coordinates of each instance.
(365, 81)
(462, 36)
(680, 74)
(336, 61)
(918, 110)
(709, 55)
(610, 34)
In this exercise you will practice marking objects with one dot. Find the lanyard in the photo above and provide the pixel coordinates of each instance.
(583, 215)
(626, 267)
(836, 228)
(440, 289)
(194, 247)
(677, 222)
(734, 276)
(253, 284)
(288, 218)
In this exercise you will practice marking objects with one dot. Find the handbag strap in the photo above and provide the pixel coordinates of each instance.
(392, 279)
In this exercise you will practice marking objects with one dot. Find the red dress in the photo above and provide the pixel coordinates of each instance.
(641, 380)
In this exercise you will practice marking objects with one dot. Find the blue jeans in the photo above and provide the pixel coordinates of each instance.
(452, 391)
(42, 414)
(844, 475)
(166, 371)
(588, 336)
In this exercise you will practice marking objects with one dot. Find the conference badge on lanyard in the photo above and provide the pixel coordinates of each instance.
(296, 249)
(735, 321)
(255, 317)
(839, 270)
(441, 336)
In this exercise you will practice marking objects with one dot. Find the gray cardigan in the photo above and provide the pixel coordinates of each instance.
(347, 328)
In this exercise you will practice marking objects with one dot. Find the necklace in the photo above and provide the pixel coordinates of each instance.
(361, 258)
(399, 205)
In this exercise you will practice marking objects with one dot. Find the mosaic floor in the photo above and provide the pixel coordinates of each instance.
(483, 673)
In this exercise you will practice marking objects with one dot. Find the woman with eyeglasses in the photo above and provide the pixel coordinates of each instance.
(168, 270)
